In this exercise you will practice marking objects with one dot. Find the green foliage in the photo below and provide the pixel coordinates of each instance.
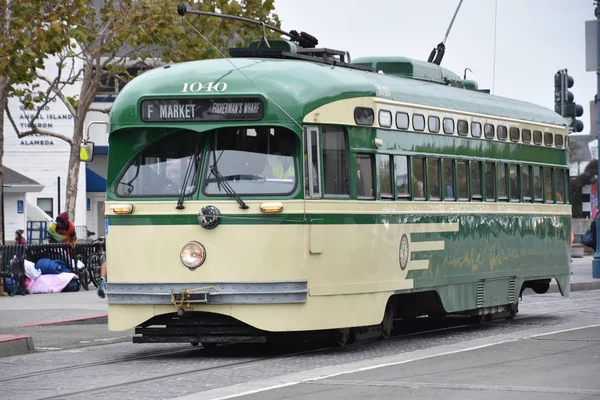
(32, 30)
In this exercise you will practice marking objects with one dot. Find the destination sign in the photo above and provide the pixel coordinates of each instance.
(201, 110)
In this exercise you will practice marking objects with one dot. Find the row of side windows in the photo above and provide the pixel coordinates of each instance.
(433, 124)
(427, 178)
(437, 179)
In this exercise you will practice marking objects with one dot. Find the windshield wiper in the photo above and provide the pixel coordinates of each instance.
(221, 181)
(186, 177)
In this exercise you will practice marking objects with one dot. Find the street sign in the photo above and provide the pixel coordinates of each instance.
(591, 45)
(20, 207)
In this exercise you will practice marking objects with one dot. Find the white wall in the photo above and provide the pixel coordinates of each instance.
(45, 158)
(13, 220)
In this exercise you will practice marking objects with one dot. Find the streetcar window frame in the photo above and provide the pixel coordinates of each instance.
(448, 185)
(515, 134)
(433, 187)
(514, 183)
(537, 137)
(365, 160)
(462, 127)
(448, 125)
(418, 193)
(327, 133)
(526, 136)
(558, 141)
(402, 194)
(433, 123)
(476, 166)
(538, 188)
(489, 131)
(548, 139)
(364, 116)
(402, 117)
(381, 158)
(385, 118)
(559, 176)
(418, 121)
(502, 133)
(501, 182)
(476, 129)
(311, 152)
(462, 183)
(526, 186)
(547, 180)
(489, 171)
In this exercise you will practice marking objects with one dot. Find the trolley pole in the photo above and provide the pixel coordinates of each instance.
(596, 261)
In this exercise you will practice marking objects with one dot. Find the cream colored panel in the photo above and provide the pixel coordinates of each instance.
(317, 238)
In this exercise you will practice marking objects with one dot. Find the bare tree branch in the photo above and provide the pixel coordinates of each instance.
(101, 110)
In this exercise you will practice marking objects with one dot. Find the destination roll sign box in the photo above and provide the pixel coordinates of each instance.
(201, 110)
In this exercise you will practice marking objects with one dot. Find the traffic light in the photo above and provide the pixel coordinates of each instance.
(563, 101)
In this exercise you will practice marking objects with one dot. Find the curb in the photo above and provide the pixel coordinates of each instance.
(94, 319)
(14, 345)
(577, 286)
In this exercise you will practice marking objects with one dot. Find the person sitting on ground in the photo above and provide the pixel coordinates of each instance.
(62, 231)
(19, 239)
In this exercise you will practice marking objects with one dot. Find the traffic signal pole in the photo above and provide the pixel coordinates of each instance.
(596, 261)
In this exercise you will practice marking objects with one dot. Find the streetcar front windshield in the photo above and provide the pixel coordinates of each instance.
(252, 161)
(161, 168)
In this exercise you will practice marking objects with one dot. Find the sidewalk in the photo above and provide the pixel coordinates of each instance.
(44, 321)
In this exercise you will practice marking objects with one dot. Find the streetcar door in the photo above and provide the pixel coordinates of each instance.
(312, 163)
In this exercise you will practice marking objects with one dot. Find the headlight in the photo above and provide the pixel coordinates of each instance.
(192, 255)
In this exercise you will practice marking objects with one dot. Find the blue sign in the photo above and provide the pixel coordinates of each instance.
(88, 204)
(20, 207)
(105, 226)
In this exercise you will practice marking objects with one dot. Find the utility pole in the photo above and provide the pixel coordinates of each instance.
(596, 261)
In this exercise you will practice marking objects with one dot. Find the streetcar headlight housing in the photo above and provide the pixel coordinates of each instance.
(192, 255)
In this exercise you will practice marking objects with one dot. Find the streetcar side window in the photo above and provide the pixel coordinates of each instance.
(501, 182)
(476, 129)
(548, 185)
(513, 177)
(418, 122)
(364, 176)
(558, 140)
(385, 177)
(433, 178)
(526, 174)
(548, 139)
(434, 124)
(448, 126)
(463, 127)
(490, 182)
(448, 167)
(488, 131)
(526, 136)
(336, 166)
(402, 183)
(418, 177)
(537, 184)
(559, 184)
(462, 180)
(312, 180)
(514, 134)
(476, 192)
(502, 132)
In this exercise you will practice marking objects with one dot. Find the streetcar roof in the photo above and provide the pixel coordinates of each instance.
(299, 87)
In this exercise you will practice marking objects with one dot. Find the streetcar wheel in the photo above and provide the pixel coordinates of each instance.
(209, 345)
(342, 337)
(387, 324)
(195, 344)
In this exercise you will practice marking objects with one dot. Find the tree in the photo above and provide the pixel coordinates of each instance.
(119, 39)
(29, 32)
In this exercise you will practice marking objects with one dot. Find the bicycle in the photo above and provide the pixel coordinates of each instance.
(95, 261)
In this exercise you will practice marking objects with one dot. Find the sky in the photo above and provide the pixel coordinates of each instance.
(533, 39)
